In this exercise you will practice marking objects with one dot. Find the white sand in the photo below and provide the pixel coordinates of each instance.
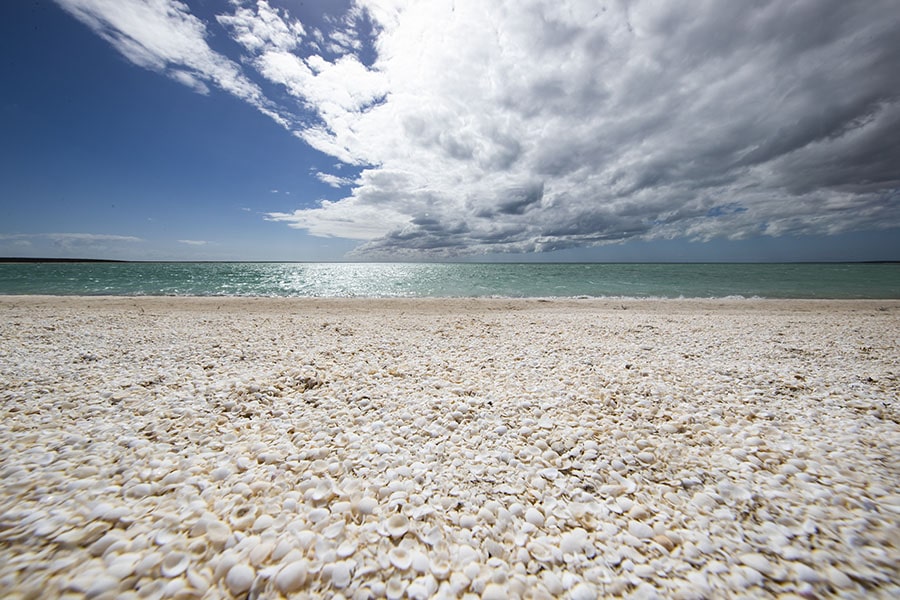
(161, 447)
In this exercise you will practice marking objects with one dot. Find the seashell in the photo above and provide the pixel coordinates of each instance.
(220, 473)
(100, 511)
(340, 574)
(174, 564)
(664, 541)
(440, 567)
(242, 516)
(420, 562)
(99, 547)
(366, 505)
(282, 548)
(164, 537)
(534, 517)
(260, 552)
(400, 558)
(611, 490)
(83, 536)
(262, 522)
(322, 492)
(431, 536)
(138, 491)
(639, 512)
(217, 532)
(756, 561)
(239, 578)
(422, 588)
(148, 563)
(397, 525)
(305, 538)
(325, 551)
(101, 585)
(495, 591)
(334, 530)
(573, 542)
(734, 493)
(346, 549)
(704, 501)
(318, 466)
(583, 591)
(540, 551)
(317, 515)
(395, 588)
(487, 516)
(644, 571)
(123, 565)
(647, 458)
(291, 577)
(806, 573)
(471, 570)
(198, 547)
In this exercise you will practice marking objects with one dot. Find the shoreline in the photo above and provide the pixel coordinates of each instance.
(457, 304)
(223, 446)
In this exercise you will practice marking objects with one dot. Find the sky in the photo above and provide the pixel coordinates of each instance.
(642, 130)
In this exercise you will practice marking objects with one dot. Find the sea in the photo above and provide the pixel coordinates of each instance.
(456, 280)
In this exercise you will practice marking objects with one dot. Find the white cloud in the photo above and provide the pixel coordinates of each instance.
(333, 180)
(72, 237)
(264, 28)
(525, 125)
(68, 241)
(194, 242)
(542, 125)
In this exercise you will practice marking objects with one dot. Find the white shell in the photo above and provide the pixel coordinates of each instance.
(217, 532)
(174, 564)
(395, 588)
(640, 530)
(262, 522)
(400, 558)
(291, 577)
(495, 591)
(534, 517)
(440, 566)
(397, 525)
(239, 578)
(242, 516)
(317, 515)
(583, 591)
(366, 505)
(340, 574)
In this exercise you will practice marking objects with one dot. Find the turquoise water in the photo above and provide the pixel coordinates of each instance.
(657, 280)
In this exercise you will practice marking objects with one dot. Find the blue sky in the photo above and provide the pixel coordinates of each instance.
(464, 130)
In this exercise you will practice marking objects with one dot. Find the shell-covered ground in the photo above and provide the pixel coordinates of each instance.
(220, 447)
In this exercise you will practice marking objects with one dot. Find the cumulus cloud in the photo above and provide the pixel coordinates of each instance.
(531, 125)
(333, 180)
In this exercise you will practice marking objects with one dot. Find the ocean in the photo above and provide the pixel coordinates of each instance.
(457, 280)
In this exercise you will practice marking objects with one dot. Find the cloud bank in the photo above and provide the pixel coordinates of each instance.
(533, 125)
(65, 241)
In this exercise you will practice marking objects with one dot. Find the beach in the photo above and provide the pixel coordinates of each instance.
(225, 447)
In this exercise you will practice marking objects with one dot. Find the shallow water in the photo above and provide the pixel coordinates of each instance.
(416, 280)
